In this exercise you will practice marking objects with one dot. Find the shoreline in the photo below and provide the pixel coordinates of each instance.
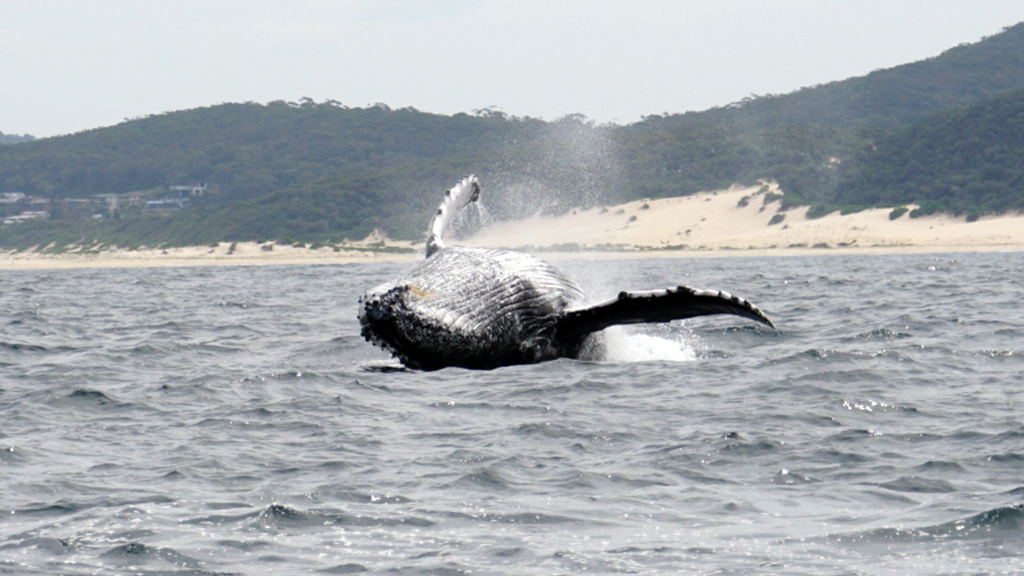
(726, 223)
(142, 259)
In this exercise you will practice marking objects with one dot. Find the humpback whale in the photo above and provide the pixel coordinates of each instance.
(486, 308)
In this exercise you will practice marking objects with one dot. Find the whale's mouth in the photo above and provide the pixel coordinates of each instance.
(380, 325)
(377, 320)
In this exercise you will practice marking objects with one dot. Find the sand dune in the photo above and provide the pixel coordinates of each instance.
(749, 219)
(739, 221)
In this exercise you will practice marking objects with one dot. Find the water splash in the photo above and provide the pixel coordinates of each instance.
(570, 163)
(626, 345)
(483, 215)
(471, 219)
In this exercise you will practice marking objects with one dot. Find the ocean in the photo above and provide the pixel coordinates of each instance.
(231, 420)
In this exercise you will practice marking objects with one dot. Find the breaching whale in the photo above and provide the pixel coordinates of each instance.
(485, 308)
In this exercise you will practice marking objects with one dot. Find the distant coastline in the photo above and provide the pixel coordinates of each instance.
(734, 222)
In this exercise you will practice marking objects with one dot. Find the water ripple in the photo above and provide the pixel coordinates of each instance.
(232, 420)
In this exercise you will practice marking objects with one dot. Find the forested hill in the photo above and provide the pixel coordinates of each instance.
(894, 96)
(968, 160)
(942, 132)
(309, 168)
(14, 138)
(245, 150)
(810, 140)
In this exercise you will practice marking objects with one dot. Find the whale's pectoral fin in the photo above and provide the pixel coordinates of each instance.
(455, 199)
(654, 306)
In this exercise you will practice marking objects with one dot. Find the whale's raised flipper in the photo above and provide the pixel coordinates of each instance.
(456, 198)
(654, 306)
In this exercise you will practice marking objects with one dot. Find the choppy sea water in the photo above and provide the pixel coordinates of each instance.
(232, 421)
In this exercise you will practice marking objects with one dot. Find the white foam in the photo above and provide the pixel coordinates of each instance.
(625, 345)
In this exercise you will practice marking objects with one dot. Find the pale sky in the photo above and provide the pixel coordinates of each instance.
(71, 65)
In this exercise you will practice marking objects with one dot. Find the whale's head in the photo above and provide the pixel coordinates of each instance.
(392, 317)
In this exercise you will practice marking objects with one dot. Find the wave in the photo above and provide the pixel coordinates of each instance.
(625, 346)
(34, 348)
(87, 398)
(1004, 522)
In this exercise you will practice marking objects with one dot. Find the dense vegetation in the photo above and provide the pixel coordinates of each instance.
(968, 160)
(13, 138)
(245, 150)
(947, 133)
(664, 158)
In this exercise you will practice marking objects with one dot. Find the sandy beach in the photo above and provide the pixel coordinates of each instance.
(737, 221)
(243, 254)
